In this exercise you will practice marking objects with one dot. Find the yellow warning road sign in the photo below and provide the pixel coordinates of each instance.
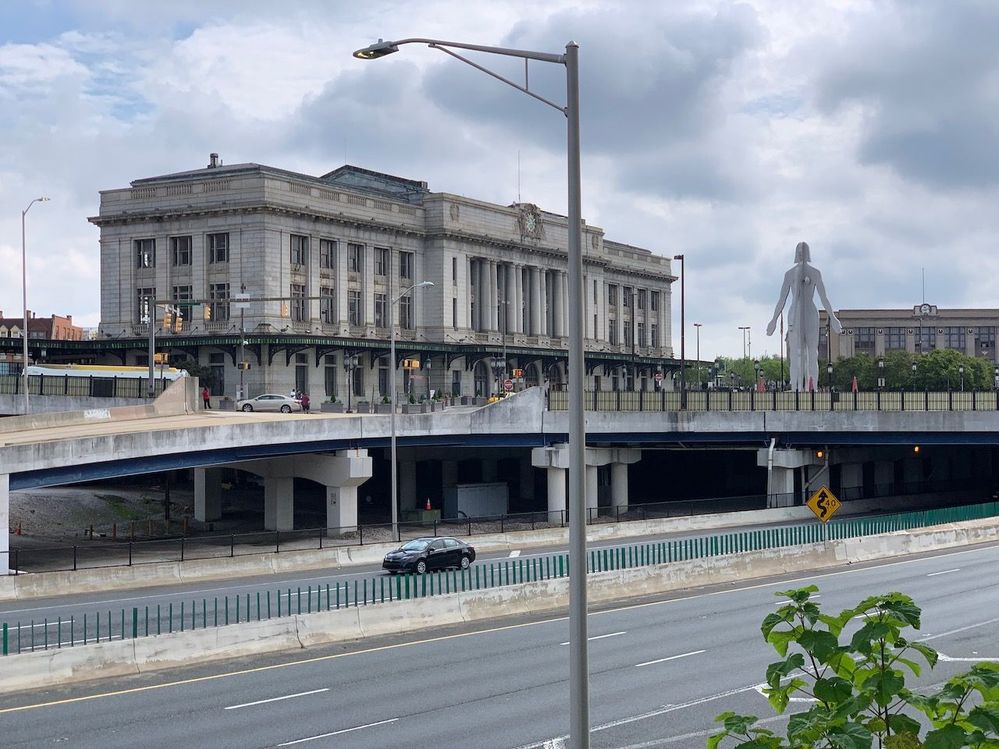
(824, 504)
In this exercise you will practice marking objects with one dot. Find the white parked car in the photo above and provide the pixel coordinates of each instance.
(270, 402)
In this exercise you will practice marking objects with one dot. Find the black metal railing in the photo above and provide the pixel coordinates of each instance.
(780, 400)
(80, 387)
(127, 549)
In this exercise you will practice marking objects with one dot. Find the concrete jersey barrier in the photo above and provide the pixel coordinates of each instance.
(124, 657)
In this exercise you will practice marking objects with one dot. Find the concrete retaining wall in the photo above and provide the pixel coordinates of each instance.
(46, 584)
(53, 667)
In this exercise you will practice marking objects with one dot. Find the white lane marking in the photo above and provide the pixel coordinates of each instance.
(943, 572)
(670, 658)
(598, 637)
(276, 699)
(959, 630)
(761, 687)
(337, 733)
(786, 601)
(515, 553)
(967, 660)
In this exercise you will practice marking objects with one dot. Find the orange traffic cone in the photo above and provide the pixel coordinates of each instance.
(428, 503)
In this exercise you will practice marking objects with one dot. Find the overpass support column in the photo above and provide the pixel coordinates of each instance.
(592, 491)
(555, 460)
(526, 480)
(279, 503)
(884, 477)
(449, 475)
(4, 523)
(620, 460)
(781, 465)
(407, 486)
(207, 494)
(851, 479)
(346, 470)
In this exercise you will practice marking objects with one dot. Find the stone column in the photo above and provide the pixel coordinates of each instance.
(535, 305)
(5, 560)
(494, 295)
(207, 494)
(518, 299)
(482, 301)
(279, 503)
(341, 283)
(564, 301)
(558, 318)
(591, 491)
(509, 311)
(449, 475)
(619, 487)
(781, 488)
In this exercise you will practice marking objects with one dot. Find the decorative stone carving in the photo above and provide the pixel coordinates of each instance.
(802, 281)
(529, 220)
(455, 212)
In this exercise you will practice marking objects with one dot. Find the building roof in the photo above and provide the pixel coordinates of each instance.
(347, 176)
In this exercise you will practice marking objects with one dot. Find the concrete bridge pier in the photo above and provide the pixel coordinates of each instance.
(781, 473)
(4, 523)
(556, 460)
(340, 472)
(207, 494)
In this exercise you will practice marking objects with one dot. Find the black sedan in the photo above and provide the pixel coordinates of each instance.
(422, 554)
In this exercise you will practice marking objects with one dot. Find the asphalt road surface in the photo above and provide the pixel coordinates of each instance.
(660, 670)
(160, 608)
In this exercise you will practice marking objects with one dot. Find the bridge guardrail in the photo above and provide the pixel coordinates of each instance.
(773, 400)
(80, 387)
(268, 603)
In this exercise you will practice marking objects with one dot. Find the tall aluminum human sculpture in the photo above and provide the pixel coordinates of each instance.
(802, 280)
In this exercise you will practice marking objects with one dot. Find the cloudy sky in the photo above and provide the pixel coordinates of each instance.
(727, 131)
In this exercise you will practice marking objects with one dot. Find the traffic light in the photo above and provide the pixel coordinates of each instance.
(178, 321)
(284, 309)
(167, 319)
(207, 312)
(820, 454)
(243, 365)
(517, 373)
(410, 363)
(161, 358)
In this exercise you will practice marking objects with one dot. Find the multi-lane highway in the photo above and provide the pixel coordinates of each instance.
(659, 671)
(159, 608)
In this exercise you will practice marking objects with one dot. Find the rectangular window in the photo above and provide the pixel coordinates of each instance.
(299, 250)
(894, 339)
(355, 313)
(181, 293)
(381, 261)
(612, 333)
(629, 335)
(454, 270)
(327, 254)
(145, 253)
(180, 251)
(218, 247)
(381, 301)
(641, 299)
(654, 330)
(327, 307)
(218, 293)
(355, 257)
(954, 337)
(143, 301)
(626, 293)
(863, 341)
(406, 265)
(357, 380)
(654, 301)
(454, 314)
(611, 295)
(926, 340)
(297, 302)
(330, 378)
(595, 291)
(641, 334)
(406, 313)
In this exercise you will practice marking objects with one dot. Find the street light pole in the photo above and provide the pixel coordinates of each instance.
(392, 370)
(683, 330)
(697, 336)
(744, 329)
(579, 731)
(24, 298)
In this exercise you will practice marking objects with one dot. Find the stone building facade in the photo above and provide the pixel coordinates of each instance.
(300, 277)
(919, 330)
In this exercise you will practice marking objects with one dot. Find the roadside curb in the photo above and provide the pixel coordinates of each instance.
(126, 657)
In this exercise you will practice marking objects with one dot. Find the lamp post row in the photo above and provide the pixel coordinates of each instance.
(24, 298)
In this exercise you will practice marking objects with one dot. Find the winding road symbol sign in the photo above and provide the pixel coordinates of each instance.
(824, 504)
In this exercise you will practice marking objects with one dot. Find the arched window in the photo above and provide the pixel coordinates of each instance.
(531, 378)
(482, 379)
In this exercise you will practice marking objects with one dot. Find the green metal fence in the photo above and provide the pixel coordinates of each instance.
(203, 613)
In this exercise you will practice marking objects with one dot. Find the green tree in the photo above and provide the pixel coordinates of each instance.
(204, 374)
(857, 682)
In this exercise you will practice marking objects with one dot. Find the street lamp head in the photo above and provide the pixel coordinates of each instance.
(43, 199)
(376, 50)
(678, 257)
(423, 283)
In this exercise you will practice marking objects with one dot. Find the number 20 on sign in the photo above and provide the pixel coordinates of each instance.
(824, 504)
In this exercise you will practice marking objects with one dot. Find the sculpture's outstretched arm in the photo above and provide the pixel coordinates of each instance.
(834, 323)
(784, 291)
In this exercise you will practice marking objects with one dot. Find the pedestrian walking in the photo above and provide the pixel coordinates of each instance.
(305, 403)
(206, 397)
(294, 394)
